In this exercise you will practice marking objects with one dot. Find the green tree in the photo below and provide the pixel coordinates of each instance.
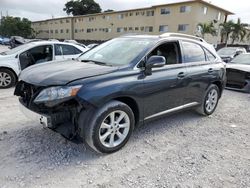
(239, 31)
(207, 28)
(226, 30)
(82, 7)
(11, 26)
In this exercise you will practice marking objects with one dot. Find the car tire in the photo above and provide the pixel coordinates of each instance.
(210, 101)
(7, 78)
(107, 129)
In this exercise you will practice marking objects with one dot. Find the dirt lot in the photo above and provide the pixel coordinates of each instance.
(182, 150)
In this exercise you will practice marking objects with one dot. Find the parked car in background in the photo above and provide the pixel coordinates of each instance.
(4, 41)
(228, 53)
(106, 92)
(238, 73)
(90, 46)
(14, 61)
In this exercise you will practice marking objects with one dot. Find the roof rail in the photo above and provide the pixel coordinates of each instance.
(182, 35)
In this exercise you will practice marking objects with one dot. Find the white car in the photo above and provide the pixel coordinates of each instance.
(12, 62)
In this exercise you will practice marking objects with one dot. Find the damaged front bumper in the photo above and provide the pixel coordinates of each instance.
(44, 120)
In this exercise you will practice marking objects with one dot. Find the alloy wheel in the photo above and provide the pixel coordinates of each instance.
(5, 79)
(211, 101)
(114, 129)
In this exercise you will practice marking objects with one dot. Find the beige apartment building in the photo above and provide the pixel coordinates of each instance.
(182, 17)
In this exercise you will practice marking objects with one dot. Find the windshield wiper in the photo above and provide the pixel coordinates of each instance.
(95, 62)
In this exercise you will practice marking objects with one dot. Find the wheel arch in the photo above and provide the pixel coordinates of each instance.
(132, 104)
(219, 85)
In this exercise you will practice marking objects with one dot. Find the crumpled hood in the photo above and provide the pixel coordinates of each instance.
(63, 72)
(241, 67)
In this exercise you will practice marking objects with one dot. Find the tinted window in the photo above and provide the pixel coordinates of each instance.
(193, 52)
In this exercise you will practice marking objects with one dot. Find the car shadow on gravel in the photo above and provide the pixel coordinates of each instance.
(43, 148)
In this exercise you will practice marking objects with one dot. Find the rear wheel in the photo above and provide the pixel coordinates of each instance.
(110, 127)
(210, 101)
(7, 78)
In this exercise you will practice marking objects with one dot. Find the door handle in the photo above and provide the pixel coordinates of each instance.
(181, 75)
(210, 70)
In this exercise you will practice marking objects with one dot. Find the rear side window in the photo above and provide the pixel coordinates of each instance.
(63, 49)
(209, 55)
(193, 52)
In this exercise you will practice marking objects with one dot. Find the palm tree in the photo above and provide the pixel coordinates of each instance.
(207, 28)
(239, 31)
(226, 30)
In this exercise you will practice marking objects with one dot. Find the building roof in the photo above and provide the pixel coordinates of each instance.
(144, 8)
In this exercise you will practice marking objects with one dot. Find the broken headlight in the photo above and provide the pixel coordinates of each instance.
(57, 93)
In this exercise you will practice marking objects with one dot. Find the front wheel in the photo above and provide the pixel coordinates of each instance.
(110, 127)
(210, 101)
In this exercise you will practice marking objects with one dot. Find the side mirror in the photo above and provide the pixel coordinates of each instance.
(237, 53)
(154, 62)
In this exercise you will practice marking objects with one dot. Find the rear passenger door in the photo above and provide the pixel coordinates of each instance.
(201, 70)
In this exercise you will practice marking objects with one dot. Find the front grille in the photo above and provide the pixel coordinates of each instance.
(27, 92)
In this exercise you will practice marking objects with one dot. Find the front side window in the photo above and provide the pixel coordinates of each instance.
(168, 50)
(120, 51)
(193, 52)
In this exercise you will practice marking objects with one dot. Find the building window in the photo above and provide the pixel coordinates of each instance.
(56, 31)
(131, 14)
(149, 29)
(165, 11)
(51, 31)
(142, 13)
(67, 30)
(125, 29)
(219, 16)
(120, 16)
(185, 9)
(182, 27)
(136, 28)
(142, 28)
(61, 21)
(61, 30)
(137, 13)
(130, 28)
(204, 10)
(163, 28)
(150, 13)
(120, 30)
(91, 19)
(76, 30)
(89, 30)
(67, 21)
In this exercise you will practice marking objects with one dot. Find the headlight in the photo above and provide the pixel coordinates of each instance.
(57, 93)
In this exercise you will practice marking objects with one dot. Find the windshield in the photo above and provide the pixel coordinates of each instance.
(17, 49)
(242, 59)
(117, 52)
(227, 51)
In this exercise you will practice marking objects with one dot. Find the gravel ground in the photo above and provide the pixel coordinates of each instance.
(182, 150)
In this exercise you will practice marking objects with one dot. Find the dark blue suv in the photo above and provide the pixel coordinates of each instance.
(108, 91)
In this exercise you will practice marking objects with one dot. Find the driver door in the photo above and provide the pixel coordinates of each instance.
(165, 88)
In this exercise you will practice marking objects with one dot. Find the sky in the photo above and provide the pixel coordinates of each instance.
(36, 10)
